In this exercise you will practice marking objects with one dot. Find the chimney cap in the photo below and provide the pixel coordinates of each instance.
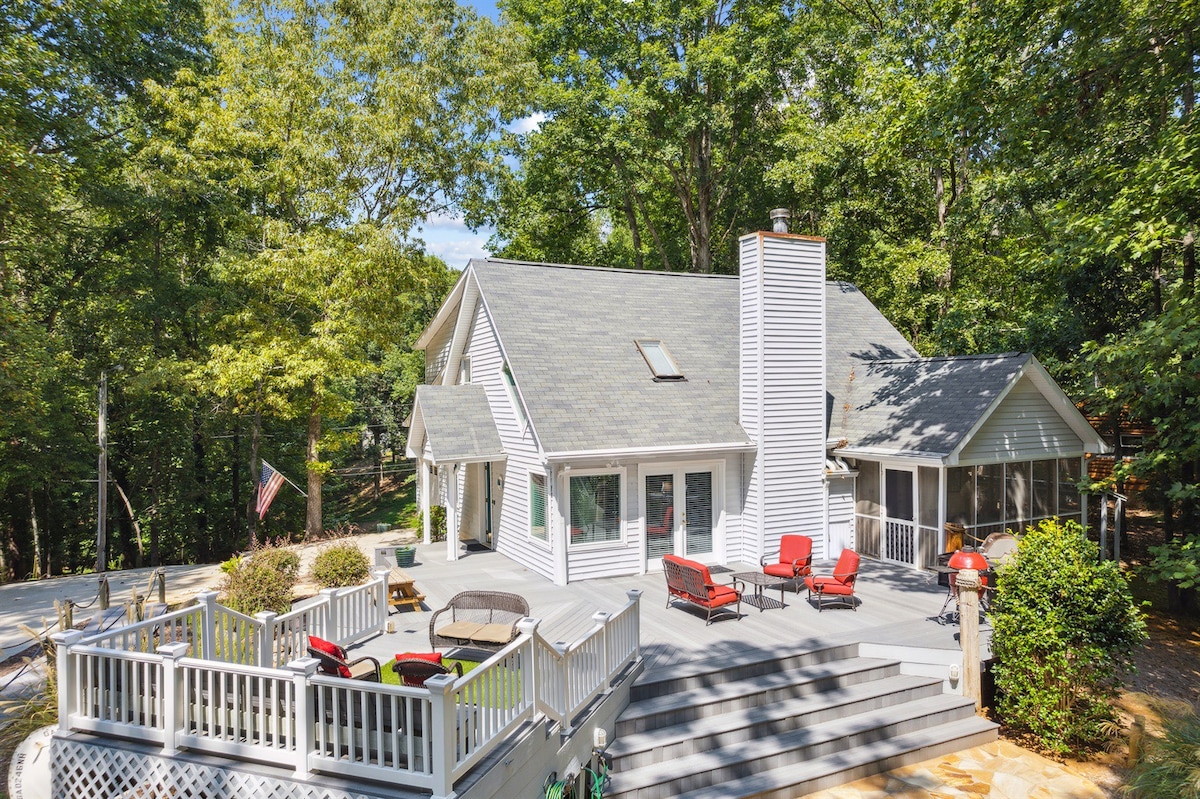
(779, 220)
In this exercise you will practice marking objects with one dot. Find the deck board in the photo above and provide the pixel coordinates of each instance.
(898, 605)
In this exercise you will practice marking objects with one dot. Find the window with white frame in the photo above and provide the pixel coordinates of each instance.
(537, 506)
(511, 385)
(595, 501)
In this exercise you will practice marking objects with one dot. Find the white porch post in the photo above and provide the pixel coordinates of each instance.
(452, 513)
(424, 494)
(559, 525)
(68, 691)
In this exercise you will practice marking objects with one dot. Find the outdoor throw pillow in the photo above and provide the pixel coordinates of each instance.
(332, 649)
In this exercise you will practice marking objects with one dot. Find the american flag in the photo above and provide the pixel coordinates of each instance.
(268, 486)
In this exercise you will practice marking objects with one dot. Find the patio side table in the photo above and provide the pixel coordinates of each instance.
(759, 581)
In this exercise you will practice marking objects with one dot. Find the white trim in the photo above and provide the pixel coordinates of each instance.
(516, 387)
(908, 458)
(443, 312)
(642, 452)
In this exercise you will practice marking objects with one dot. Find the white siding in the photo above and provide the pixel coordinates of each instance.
(1024, 427)
(511, 518)
(438, 350)
(783, 388)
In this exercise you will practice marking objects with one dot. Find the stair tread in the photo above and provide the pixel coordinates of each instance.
(769, 745)
(699, 668)
(806, 771)
(638, 742)
(748, 687)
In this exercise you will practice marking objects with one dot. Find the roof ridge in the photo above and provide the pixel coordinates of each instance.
(991, 356)
(585, 268)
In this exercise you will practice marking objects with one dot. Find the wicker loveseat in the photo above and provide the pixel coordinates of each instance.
(478, 619)
(691, 582)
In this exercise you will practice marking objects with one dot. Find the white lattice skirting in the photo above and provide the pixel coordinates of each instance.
(83, 768)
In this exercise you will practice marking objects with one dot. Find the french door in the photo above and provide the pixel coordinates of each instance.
(899, 543)
(679, 513)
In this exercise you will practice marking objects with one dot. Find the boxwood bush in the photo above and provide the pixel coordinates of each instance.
(1064, 629)
(340, 565)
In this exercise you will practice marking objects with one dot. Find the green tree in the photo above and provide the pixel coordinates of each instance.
(328, 130)
(1064, 628)
(660, 124)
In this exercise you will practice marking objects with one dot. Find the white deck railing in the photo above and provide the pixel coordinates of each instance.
(571, 676)
(230, 705)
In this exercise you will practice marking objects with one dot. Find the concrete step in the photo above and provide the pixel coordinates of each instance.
(749, 724)
(770, 688)
(702, 674)
(831, 740)
(804, 777)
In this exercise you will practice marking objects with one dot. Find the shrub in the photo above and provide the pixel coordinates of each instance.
(437, 523)
(264, 581)
(1064, 628)
(1170, 765)
(340, 565)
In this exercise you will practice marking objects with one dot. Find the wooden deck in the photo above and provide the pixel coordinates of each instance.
(898, 606)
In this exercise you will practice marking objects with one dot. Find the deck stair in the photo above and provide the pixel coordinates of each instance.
(782, 727)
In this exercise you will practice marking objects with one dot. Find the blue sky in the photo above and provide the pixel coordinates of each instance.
(445, 236)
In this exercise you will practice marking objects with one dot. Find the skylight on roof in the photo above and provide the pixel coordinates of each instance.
(659, 359)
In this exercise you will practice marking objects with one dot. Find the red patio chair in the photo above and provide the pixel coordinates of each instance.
(414, 668)
(333, 661)
(794, 562)
(839, 584)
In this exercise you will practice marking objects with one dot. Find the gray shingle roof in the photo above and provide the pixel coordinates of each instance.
(920, 405)
(569, 333)
(458, 423)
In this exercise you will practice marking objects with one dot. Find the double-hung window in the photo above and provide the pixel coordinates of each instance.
(537, 506)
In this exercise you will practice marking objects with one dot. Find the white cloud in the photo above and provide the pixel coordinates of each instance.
(528, 124)
(449, 238)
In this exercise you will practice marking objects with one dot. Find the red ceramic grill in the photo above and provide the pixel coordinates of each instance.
(968, 560)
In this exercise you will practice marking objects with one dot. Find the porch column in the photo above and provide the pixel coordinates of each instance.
(424, 493)
(559, 525)
(452, 513)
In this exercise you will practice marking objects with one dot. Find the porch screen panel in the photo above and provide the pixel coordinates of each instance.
(1018, 496)
(899, 530)
(989, 506)
(928, 495)
(1069, 473)
(699, 504)
(1043, 489)
(595, 508)
(960, 495)
(867, 509)
(660, 515)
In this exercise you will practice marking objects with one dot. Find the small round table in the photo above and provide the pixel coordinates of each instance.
(759, 580)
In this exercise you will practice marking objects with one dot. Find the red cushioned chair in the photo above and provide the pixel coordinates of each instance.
(333, 661)
(414, 668)
(665, 527)
(794, 562)
(691, 582)
(840, 584)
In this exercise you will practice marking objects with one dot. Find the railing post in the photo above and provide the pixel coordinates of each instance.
(968, 630)
(602, 619)
(329, 619)
(531, 682)
(172, 693)
(303, 712)
(266, 639)
(68, 679)
(562, 702)
(382, 607)
(207, 600)
(635, 596)
(444, 735)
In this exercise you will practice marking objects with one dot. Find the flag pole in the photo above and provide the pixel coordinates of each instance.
(285, 479)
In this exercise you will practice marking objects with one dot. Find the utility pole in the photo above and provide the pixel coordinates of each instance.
(102, 498)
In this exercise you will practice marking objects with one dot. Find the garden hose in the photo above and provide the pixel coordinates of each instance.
(558, 789)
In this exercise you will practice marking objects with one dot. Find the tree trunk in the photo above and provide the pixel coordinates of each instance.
(235, 471)
(312, 524)
(37, 542)
(1189, 264)
(204, 548)
(939, 195)
(634, 232)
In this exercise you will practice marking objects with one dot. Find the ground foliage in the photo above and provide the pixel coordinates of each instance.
(339, 565)
(1064, 629)
(262, 581)
(1170, 762)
